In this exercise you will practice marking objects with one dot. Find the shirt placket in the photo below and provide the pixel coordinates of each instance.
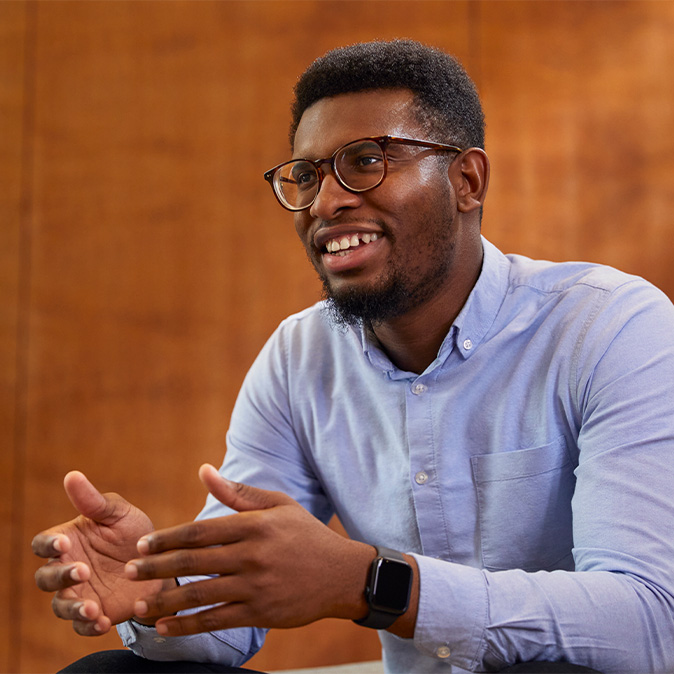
(423, 466)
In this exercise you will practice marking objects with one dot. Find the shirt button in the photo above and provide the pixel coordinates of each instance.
(443, 652)
(159, 640)
(467, 344)
(421, 477)
(418, 389)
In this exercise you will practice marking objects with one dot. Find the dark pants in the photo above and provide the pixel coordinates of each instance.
(125, 662)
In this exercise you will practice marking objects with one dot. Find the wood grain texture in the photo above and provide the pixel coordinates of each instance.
(580, 103)
(13, 315)
(159, 262)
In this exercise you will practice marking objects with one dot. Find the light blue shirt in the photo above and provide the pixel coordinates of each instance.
(529, 469)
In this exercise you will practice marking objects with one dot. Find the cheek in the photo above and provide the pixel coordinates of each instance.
(301, 226)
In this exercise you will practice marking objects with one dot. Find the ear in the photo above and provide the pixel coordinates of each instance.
(470, 177)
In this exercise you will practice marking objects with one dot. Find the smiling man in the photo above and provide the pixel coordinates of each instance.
(495, 433)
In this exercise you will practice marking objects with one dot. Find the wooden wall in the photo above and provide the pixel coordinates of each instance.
(143, 261)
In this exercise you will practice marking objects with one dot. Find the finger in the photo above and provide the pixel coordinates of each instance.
(71, 607)
(185, 562)
(88, 628)
(50, 545)
(239, 496)
(190, 595)
(198, 534)
(53, 577)
(87, 499)
(208, 620)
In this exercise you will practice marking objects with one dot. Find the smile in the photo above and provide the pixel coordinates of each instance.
(340, 246)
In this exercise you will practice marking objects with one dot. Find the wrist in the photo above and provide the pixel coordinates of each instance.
(388, 588)
(355, 604)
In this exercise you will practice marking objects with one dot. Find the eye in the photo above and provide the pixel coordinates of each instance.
(360, 157)
(303, 175)
(365, 160)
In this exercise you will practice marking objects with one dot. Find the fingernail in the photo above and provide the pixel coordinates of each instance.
(97, 628)
(143, 545)
(75, 574)
(162, 629)
(131, 570)
(56, 544)
(140, 608)
(81, 610)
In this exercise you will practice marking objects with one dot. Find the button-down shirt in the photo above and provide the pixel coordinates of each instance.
(529, 469)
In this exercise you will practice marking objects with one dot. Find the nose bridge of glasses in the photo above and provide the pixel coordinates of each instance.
(330, 171)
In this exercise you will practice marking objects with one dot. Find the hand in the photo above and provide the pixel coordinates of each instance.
(275, 565)
(87, 557)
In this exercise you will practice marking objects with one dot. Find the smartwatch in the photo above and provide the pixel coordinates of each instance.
(388, 589)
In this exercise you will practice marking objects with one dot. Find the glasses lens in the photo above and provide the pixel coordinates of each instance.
(296, 183)
(361, 165)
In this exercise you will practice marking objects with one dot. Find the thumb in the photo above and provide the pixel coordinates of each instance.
(240, 497)
(87, 499)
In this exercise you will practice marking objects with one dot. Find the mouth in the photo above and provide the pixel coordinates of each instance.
(340, 246)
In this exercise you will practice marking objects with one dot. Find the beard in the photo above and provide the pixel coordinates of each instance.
(398, 289)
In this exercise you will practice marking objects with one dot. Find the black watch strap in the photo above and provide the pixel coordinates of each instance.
(388, 589)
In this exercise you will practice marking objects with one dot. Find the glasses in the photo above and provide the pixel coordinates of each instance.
(358, 166)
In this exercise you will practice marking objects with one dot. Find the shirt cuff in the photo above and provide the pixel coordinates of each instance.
(227, 647)
(453, 612)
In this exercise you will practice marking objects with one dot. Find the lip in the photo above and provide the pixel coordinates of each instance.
(356, 259)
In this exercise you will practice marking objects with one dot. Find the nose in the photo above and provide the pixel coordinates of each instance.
(332, 198)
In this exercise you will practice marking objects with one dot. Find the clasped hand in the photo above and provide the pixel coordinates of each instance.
(271, 564)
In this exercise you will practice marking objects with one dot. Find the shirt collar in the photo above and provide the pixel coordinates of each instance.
(479, 312)
(473, 322)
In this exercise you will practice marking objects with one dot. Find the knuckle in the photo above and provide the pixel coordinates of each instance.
(196, 594)
(147, 569)
(185, 562)
(157, 604)
(210, 620)
(193, 535)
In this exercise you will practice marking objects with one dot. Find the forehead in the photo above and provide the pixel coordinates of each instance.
(332, 122)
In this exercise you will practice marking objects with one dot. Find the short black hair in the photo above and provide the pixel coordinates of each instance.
(447, 100)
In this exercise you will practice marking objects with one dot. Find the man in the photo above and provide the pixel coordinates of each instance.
(495, 433)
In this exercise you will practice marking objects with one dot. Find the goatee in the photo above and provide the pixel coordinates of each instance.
(354, 306)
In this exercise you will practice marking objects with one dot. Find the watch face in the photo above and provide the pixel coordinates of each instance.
(391, 586)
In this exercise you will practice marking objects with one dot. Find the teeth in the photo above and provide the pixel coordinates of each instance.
(343, 244)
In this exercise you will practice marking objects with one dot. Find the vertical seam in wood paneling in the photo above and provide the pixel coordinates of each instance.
(19, 555)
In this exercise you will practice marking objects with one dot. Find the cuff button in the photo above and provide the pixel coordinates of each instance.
(443, 652)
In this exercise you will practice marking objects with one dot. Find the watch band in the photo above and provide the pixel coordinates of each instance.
(382, 617)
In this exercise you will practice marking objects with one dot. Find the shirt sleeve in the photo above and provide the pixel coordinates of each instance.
(615, 611)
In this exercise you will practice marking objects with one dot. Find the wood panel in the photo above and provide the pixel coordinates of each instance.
(580, 102)
(12, 338)
(159, 261)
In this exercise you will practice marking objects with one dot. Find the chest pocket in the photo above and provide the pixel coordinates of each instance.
(524, 504)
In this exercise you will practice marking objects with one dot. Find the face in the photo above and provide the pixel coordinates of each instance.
(396, 242)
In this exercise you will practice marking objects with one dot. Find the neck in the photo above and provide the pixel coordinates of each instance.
(412, 341)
